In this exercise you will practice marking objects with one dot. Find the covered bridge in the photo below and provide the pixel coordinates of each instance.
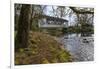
(51, 22)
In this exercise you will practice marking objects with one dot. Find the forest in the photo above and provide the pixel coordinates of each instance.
(38, 28)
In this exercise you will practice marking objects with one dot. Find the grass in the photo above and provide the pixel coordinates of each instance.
(42, 49)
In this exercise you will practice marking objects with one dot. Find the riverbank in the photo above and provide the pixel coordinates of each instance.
(42, 49)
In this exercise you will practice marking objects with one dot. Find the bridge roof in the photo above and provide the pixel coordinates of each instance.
(51, 18)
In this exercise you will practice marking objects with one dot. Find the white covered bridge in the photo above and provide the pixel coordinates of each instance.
(52, 22)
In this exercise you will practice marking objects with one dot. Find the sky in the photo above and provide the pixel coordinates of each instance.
(71, 20)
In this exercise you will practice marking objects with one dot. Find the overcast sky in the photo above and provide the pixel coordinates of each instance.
(71, 20)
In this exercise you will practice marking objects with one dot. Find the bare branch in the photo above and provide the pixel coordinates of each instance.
(81, 12)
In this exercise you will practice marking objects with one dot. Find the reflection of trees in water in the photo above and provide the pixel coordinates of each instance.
(81, 48)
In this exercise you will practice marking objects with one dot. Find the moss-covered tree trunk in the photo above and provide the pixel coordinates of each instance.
(23, 27)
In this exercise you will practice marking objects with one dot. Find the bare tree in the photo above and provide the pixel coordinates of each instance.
(59, 11)
(84, 17)
(23, 27)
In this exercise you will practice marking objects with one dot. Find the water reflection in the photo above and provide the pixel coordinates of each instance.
(81, 48)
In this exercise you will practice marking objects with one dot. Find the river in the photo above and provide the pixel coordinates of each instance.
(81, 48)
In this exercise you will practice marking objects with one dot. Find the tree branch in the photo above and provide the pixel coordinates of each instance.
(81, 12)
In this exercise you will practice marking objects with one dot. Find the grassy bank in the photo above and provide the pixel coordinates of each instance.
(42, 49)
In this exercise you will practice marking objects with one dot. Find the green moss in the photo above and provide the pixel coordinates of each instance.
(15, 33)
(45, 61)
(64, 56)
(21, 50)
(54, 60)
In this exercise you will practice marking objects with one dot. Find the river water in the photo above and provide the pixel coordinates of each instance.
(81, 48)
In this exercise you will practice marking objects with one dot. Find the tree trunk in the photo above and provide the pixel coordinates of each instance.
(23, 27)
